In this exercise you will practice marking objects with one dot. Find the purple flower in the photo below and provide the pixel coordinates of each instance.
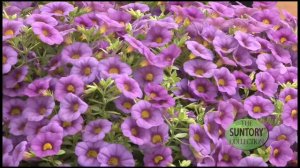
(267, 62)
(167, 57)
(46, 144)
(159, 135)
(206, 161)
(226, 81)
(47, 33)
(157, 36)
(13, 108)
(71, 107)
(136, 134)
(199, 68)
(136, 6)
(11, 29)
(86, 68)
(238, 108)
(57, 9)
(290, 114)
(14, 159)
(199, 50)
(288, 94)
(113, 67)
(16, 126)
(284, 36)
(96, 130)
(70, 84)
(228, 155)
(258, 106)
(21, 4)
(225, 116)
(38, 107)
(124, 104)
(9, 58)
(73, 53)
(115, 155)
(185, 90)
(32, 128)
(148, 74)
(209, 32)
(7, 145)
(204, 89)
(158, 96)
(265, 83)
(41, 18)
(251, 161)
(221, 9)
(146, 115)
(268, 17)
(282, 132)
(37, 87)
(69, 128)
(129, 87)
(289, 76)
(280, 53)
(15, 76)
(186, 151)
(160, 157)
(281, 153)
(242, 79)
(242, 57)
(199, 139)
(119, 16)
(247, 41)
(224, 43)
(52, 127)
(87, 152)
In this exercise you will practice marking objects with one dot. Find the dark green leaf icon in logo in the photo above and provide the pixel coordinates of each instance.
(247, 134)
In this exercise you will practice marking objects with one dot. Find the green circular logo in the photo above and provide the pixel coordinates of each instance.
(247, 134)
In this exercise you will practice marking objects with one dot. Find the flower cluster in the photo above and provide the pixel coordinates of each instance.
(146, 83)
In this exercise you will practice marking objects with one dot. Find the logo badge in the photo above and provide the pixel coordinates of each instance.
(247, 134)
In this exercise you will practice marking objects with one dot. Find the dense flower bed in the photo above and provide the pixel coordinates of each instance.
(146, 83)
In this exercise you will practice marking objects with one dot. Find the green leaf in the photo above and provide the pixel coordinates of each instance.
(185, 163)
(61, 152)
(180, 135)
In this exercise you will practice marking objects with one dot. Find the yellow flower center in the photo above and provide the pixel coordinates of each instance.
(192, 56)
(145, 114)
(114, 71)
(149, 77)
(45, 33)
(276, 152)
(221, 82)
(127, 87)
(153, 95)
(97, 130)
(262, 85)
(15, 111)
(87, 71)
(129, 49)
(103, 29)
(197, 138)
(269, 65)
(220, 132)
(144, 63)
(70, 88)
(92, 154)
(113, 161)
(58, 11)
(47, 146)
(281, 137)
(199, 72)
(276, 27)
(266, 21)
(4, 59)
(239, 81)
(134, 131)
(42, 110)
(205, 43)
(158, 40)
(226, 157)
(219, 63)
(178, 19)
(158, 159)
(288, 98)
(283, 40)
(66, 124)
(75, 56)
(127, 105)
(200, 89)
(9, 32)
(294, 113)
(76, 107)
(156, 139)
(256, 109)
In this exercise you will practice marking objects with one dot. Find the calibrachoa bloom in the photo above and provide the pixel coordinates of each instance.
(258, 106)
(147, 83)
(115, 155)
